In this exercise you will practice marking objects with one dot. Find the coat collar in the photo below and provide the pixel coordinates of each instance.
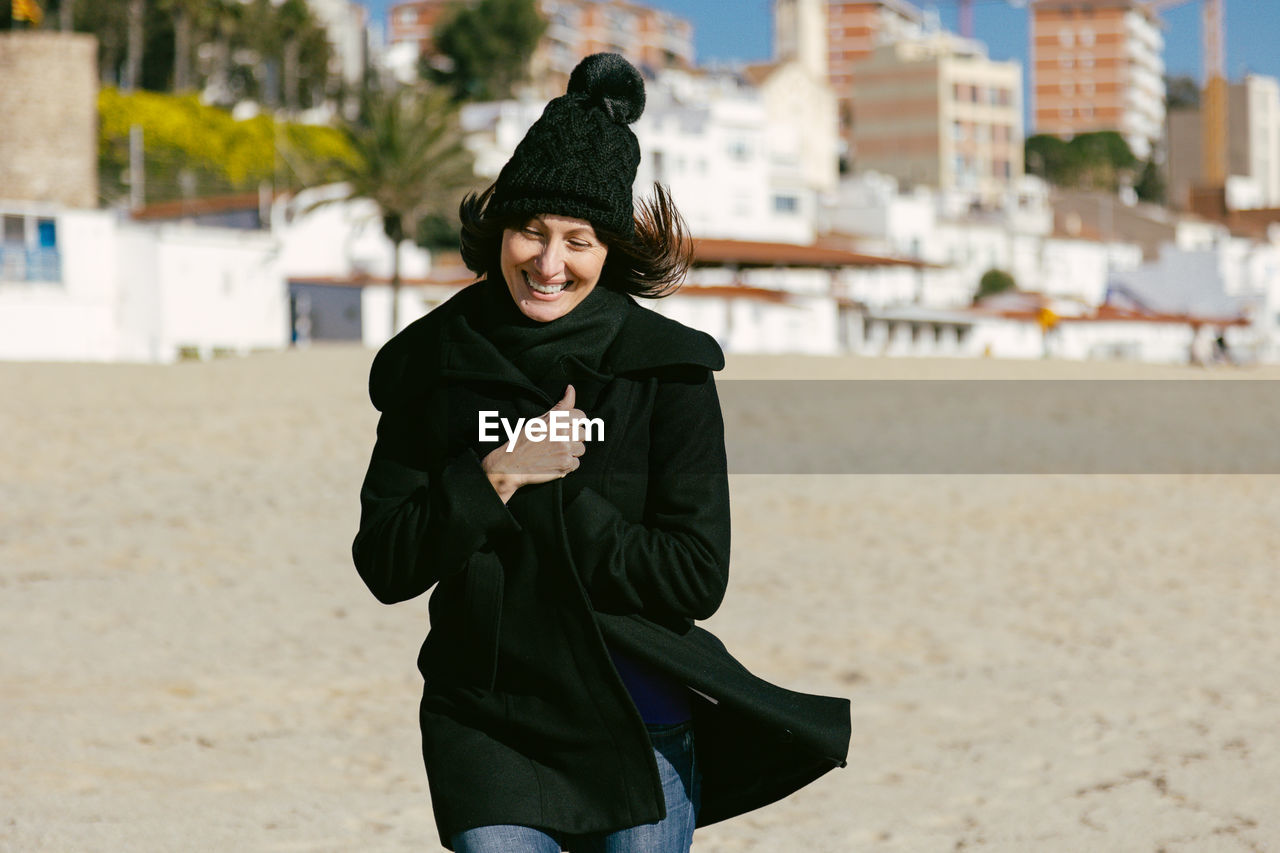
(445, 345)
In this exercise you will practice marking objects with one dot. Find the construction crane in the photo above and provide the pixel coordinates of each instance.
(1213, 112)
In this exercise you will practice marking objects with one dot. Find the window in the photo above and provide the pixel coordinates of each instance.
(1086, 37)
(739, 150)
(1066, 62)
(46, 234)
(1065, 38)
(787, 204)
(15, 230)
(29, 249)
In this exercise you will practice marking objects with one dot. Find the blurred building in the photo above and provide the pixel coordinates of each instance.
(830, 37)
(49, 144)
(650, 38)
(1253, 147)
(936, 111)
(109, 289)
(1096, 65)
(346, 23)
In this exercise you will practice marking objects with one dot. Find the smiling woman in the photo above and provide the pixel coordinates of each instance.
(569, 700)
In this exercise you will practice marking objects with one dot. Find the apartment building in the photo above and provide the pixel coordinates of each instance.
(1253, 147)
(936, 111)
(650, 38)
(1096, 65)
(854, 30)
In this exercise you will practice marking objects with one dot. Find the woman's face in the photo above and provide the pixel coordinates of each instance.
(550, 264)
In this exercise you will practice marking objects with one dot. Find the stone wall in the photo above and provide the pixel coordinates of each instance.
(49, 118)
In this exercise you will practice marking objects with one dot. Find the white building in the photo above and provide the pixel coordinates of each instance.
(1230, 278)
(346, 24)
(87, 285)
(962, 241)
(338, 263)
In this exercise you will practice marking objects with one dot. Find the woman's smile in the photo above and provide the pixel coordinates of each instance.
(548, 290)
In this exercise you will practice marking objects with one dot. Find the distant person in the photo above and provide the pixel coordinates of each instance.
(1220, 351)
(569, 701)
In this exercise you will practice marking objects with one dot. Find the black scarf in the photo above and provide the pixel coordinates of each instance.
(545, 352)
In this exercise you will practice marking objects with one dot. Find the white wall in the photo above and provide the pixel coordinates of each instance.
(132, 292)
(342, 239)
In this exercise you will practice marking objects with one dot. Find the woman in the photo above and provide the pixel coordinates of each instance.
(565, 685)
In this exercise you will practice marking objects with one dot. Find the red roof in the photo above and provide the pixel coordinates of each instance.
(182, 208)
(743, 253)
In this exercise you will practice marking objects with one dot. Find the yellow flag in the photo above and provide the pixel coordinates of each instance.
(27, 10)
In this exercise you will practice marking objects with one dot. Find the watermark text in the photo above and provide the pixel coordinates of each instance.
(558, 425)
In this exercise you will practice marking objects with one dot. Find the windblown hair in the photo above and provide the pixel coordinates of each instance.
(652, 264)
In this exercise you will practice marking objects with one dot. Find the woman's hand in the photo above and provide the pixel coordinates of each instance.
(531, 462)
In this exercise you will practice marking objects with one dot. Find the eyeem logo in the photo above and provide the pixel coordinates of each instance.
(559, 425)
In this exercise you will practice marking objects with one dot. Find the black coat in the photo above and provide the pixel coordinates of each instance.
(524, 718)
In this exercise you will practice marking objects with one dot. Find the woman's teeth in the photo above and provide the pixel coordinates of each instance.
(546, 289)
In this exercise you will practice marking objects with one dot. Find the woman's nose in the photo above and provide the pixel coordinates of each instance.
(551, 259)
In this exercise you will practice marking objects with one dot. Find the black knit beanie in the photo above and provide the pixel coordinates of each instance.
(579, 159)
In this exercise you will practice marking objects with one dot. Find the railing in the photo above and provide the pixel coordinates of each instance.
(19, 263)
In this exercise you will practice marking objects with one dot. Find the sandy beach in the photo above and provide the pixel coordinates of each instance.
(1036, 662)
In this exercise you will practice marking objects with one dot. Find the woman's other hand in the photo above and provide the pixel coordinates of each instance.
(531, 462)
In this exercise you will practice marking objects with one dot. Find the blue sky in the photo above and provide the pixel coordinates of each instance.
(729, 30)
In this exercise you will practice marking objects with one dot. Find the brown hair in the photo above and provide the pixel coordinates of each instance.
(652, 264)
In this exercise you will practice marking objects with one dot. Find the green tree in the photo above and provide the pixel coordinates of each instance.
(408, 159)
(483, 49)
(1050, 158)
(1182, 93)
(1104, 159)
(1099, 160)
(1151, 184)
(994, 281)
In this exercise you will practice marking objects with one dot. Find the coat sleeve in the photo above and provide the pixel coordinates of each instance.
(421, 521)
(674, 564)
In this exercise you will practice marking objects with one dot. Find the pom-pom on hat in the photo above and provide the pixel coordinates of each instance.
(580, 158)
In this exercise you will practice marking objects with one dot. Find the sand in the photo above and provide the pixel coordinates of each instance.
(1036, 663)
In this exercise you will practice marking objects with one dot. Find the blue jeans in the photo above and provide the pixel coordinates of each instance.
(678, 770)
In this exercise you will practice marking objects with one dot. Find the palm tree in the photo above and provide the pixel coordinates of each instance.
(408, 158)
